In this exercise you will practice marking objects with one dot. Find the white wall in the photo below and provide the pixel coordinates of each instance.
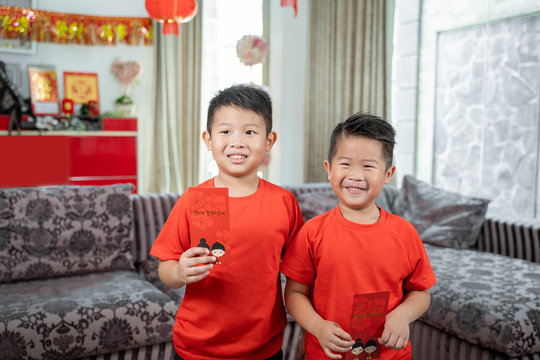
(288, 53)
(84, 58)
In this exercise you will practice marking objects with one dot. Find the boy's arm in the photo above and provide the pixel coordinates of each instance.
(330, 335)
(396, 328)
(187, 269)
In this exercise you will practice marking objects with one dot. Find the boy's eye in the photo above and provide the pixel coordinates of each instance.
(250, 132)
(344, 164)
(225, 132)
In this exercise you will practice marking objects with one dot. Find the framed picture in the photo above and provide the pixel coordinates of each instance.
(81, 87)
(43, 90)
(17, 46)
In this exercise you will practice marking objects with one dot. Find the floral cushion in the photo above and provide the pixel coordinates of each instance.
(488, 300)
(86, 315)
(150, 270)
(314, 203)
(65, 230)
(441, 217)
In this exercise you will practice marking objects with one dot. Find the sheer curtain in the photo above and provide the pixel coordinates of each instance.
(171, 138)
(349, 69)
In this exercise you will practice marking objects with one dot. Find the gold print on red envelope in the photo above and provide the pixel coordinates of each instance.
(367, 323)
(209, 221)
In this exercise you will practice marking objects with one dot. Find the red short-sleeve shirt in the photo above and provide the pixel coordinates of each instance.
(237, 311)
(340, 258)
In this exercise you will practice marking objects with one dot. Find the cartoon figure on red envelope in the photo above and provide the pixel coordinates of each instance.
(203, 244)
(371, 346)
(218, 250)
(357, 348)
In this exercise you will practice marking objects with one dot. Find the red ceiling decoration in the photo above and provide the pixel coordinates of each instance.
(171, 12)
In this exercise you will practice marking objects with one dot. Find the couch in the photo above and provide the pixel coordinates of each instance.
(486, 302)
(76, 280)
(72, 281)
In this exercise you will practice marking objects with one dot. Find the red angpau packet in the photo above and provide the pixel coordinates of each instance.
(367, 323)
(209, 221)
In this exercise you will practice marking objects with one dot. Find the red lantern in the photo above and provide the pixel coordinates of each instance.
(171, 12)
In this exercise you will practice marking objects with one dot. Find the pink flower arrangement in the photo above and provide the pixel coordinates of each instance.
(126, 73)
(251, 50)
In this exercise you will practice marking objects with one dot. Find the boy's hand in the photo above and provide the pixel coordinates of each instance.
(189, 268)
(396, 331)
(333, 338)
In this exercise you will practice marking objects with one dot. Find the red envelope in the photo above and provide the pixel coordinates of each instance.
(367, 322)
(209, 221)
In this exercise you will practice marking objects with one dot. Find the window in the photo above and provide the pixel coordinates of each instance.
(224, 23)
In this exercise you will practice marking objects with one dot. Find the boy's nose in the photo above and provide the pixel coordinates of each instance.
(356, 176)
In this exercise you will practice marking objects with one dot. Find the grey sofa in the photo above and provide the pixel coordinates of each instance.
(116, 307)
(486, 303)
(72, 281)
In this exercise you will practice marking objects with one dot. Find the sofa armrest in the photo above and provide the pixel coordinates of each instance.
(150, 213)
(517, 239)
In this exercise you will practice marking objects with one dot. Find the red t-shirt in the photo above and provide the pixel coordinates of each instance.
(340, 258)
(237, 311)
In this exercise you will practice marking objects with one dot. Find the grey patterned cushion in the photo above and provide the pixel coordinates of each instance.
(387, 198)
(486, 299)
(64, 230)
(150, 271)
(314, 203)
(441, 217)
(71, 317)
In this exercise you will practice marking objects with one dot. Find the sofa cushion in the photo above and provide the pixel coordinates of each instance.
(486, 299)
(65, 230)
(71, 317)
(441, 217)
(315, 203)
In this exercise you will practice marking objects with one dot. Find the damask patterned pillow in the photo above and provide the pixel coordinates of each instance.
(441, 217)
(55, 231)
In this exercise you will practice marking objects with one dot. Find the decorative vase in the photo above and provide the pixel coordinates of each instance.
(125, 109)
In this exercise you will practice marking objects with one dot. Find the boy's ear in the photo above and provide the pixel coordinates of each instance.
(270, 140)
(327, 167)
(207, 140)
(389, 173)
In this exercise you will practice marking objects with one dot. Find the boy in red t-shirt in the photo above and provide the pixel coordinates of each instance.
(233, 310)
(357, 248)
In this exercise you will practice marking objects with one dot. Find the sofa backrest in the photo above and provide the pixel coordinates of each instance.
(318, 198)
(150, 213)
(520, 240)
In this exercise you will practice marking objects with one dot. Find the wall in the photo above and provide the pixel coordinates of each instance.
(471, 134)
(83, 58)
(405, 84)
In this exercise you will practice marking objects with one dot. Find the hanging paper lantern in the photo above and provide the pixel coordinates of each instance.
(171, 12)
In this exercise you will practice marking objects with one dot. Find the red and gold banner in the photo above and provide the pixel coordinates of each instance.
(48, 26)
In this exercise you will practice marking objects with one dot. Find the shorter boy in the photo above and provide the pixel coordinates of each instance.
(232, 311)
(357, 248)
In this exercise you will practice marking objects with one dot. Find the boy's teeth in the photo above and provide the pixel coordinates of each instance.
(237, 157)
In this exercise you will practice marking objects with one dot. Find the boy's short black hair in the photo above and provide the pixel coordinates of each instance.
(247, 97)
(369, 126)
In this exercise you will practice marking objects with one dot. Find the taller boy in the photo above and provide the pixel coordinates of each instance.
(233, 311)
(357, 248)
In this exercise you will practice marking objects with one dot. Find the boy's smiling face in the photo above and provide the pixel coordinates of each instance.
(358, 172)
(238, 141)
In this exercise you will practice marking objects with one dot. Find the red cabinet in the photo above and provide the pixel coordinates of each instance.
(61, 157)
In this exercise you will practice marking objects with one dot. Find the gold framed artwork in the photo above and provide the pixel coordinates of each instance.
(81, 87)
(43, 90)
